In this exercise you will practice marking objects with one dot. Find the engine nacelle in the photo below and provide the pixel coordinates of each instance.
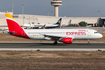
(47, 38)
(67, 40)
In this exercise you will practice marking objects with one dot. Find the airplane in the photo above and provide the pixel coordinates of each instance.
(89, 26)
(54, 25)
(63, 25)
(62, 35)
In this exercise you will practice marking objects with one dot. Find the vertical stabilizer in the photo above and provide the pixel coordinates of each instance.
(59, 21)
(14, 28)
(69, 23)
(12, 23)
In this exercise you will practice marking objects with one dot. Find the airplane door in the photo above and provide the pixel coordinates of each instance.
(89, 33)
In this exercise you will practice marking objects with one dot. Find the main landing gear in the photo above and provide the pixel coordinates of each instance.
(55, 43)
(88, 41)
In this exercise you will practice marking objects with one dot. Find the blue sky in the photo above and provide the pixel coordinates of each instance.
(69, 8)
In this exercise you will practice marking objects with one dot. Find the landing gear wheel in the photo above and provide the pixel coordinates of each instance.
(55, 43)
(88, 41)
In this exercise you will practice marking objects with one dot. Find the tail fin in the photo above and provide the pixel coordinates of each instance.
(69, 22)
(14, 27)
(62, 23)
(59, 21)
(12, 23)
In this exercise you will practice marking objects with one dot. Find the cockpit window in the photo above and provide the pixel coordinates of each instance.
(96, 32)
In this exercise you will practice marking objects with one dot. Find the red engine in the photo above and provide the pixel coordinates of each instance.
(67, 40)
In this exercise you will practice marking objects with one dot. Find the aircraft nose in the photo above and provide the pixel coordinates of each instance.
(100, 35)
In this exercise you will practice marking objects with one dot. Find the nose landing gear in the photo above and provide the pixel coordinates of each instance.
(55, 43)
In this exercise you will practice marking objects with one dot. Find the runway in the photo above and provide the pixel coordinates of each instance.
(50, 47)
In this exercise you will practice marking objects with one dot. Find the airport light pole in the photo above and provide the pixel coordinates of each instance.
(48, 13)
(29, 21)
(22, 9)
(98, 13)
(12, 6)
(23, 12)
(51, 13)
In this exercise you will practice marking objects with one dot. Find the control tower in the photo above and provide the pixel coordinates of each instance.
(56, 3)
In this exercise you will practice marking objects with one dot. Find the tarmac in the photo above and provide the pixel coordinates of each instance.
(50, 47)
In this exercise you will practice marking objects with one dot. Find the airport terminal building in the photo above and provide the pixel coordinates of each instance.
(40, 19)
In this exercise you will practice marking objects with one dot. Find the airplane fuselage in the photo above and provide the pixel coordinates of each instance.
(74, 33)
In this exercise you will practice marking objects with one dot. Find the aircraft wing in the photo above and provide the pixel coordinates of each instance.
(55, 36)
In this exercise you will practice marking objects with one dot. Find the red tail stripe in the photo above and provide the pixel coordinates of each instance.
(16, 28)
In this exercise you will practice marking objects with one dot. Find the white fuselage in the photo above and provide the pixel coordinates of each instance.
(74, 33)
(40, 25)
(39, 34)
